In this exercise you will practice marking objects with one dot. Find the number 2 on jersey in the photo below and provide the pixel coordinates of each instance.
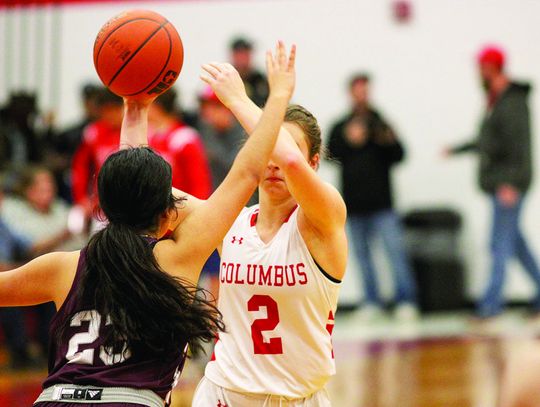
(260, 346)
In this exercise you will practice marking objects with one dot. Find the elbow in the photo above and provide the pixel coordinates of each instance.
(251, 175)
(292, 162)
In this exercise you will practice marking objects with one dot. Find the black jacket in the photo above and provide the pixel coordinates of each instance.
(504, 142)
(365, 175)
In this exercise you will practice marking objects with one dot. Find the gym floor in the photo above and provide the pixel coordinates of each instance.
(441, 360)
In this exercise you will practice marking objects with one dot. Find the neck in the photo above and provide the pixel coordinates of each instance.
(165, 123)
(41, 209)
(499, 84)
(273, 212)
(360, 108)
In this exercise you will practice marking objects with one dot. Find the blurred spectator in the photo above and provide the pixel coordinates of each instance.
(255, 81)
(65, 143)
(180, 145)
(503, 144)
(20, 142)
(37, 213)
(100, 139)
(12, 249)
(31, 225)
(222, 135)
(367, 148)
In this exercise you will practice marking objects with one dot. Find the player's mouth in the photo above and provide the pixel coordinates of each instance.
(274, 179)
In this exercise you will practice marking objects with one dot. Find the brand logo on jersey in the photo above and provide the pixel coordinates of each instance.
(81, 394)
(238, 240)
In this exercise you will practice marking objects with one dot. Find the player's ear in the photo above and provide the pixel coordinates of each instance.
(315, 161)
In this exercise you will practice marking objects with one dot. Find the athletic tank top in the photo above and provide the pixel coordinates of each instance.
(80, 357)
(278, 307)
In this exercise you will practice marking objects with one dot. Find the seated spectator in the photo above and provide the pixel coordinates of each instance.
(180, 145)
(41, 219)
(13, 248)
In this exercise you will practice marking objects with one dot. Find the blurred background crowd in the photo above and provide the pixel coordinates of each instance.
(48, 173)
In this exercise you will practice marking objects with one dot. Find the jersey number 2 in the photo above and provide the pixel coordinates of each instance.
(260, 346)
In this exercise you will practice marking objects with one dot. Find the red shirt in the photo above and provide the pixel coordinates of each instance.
(182, 148)
(98, 142)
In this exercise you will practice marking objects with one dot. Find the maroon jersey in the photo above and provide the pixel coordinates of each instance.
(80, 358)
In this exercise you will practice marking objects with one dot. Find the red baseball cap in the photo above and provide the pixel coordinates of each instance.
(208, 95)
(492, 55)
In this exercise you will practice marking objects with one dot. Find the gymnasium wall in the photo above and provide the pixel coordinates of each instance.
(424, 81)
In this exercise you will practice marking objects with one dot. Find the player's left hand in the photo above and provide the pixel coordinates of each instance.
(225, 81)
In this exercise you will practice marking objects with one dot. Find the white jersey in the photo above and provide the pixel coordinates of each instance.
(278, 307)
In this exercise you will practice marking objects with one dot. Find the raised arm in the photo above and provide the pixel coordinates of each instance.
(206, 226)
(134, 131)
(320, 202)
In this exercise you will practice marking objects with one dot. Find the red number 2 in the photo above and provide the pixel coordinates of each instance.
(274, 345)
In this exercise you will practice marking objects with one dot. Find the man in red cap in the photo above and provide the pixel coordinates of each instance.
(505, 173)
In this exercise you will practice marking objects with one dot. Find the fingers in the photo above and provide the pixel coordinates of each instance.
(269, 62)
(292, 58)
(212, 69)
(281, 55)
(206, 79)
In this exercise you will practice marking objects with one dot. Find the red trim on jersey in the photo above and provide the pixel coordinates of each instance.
(330, 327)
(255, 215)
(214, 351)
(290, 214)
(253, 218)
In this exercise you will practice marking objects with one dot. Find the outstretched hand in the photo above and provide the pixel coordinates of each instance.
(225, 81)
(281, 70)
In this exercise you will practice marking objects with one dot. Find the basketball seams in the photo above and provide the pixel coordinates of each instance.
(116, 29)
(137, 50)
(164, 65)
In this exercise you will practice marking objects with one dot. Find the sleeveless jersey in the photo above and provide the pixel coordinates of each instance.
(80, 358)
(278, 307)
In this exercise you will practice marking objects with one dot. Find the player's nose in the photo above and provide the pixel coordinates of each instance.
(272, 165)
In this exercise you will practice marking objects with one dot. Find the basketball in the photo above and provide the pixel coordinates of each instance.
(138, 54)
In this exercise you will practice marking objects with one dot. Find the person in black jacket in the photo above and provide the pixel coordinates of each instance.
(367, 148)
(505, 173)
(241, 50)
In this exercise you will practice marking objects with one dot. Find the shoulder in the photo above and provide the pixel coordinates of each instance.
(12, 208)
(91, 133)
(340, 122)
(64, 267)
(183, 136)
(60, 207)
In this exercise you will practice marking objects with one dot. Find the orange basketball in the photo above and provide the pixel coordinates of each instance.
(138, 54)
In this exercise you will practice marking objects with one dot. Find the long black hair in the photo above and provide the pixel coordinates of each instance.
(147, 308)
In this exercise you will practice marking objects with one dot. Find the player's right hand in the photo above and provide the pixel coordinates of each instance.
(225, 81)
(281, 71)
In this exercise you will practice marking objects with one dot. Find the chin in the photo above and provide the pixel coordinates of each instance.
(276, 191)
